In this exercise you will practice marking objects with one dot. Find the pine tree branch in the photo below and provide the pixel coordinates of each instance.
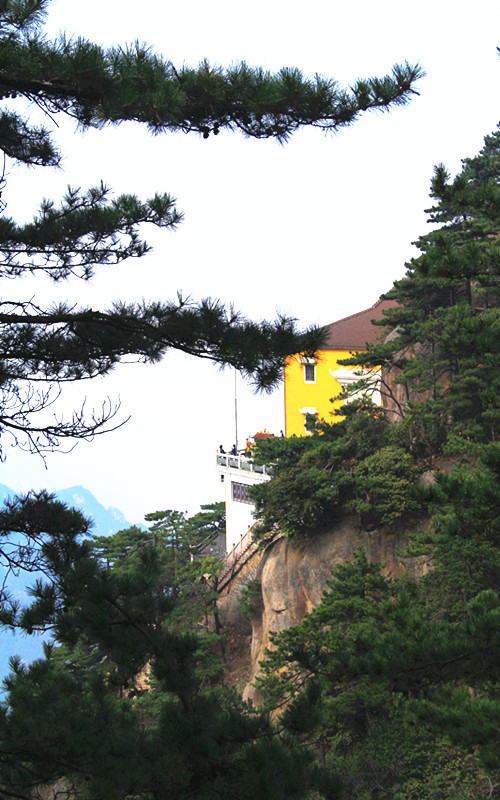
(96, 87)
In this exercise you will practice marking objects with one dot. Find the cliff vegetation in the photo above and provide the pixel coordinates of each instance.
(392, 679)
(386, 685)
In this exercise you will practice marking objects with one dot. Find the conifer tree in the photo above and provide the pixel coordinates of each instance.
(82, 718)
(351, 464)
(440, 382)
(397, 680)
(443, 346)
(182, 546)
(42, 348)
(72, 717)
(391, 692)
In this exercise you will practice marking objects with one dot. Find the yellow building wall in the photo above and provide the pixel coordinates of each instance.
(300, 394)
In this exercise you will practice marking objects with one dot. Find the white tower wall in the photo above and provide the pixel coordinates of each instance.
(239, 474)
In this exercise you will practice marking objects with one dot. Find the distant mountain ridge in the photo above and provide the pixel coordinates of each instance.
(106, 522)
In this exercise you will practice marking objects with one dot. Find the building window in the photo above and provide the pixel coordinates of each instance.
(305, 412)
(239, 492)
(309, 373)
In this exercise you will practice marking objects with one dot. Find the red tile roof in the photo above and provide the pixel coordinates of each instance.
(352, 333)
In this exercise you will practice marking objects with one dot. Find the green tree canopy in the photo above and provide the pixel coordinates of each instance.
(350, 464)
(444, 338)
(398, 698)
(122, 705)
(396, 682)
(439, 381)
(182, 546)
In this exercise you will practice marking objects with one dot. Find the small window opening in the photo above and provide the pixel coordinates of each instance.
(309, 373)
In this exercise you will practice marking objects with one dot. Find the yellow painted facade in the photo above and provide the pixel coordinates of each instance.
(311, 385)
(305, 396)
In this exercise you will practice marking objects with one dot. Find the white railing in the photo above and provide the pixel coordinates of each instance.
(238, 549)
(240, 552)
(243, 463)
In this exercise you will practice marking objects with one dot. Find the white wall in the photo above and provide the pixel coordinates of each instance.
(239, 515)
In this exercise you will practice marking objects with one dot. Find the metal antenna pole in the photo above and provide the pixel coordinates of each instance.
(235, 410)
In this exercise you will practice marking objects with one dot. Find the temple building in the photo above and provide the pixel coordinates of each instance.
(310, 384)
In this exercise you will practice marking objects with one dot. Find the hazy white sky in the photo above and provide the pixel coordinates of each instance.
(317, 229)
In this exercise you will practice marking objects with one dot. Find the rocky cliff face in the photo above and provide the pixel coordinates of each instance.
(292, 580)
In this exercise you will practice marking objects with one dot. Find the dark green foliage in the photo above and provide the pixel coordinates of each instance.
(207, 525)
(439, 370)
(87, 229)
(128, 606)
(109, 747)
(445, 331)
(36, 532)
(64, 344)
(44, 347)
(384, 483)
(369, 662)
(187, 577)
(251, 598)
(465, 533)
(349, 464)
(396, 682)
(123, 707)
(136, 576)
(99, 86)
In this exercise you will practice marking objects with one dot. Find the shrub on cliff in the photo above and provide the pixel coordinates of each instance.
(348, 465)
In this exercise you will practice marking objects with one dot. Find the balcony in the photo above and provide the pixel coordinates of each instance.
(243, 463)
